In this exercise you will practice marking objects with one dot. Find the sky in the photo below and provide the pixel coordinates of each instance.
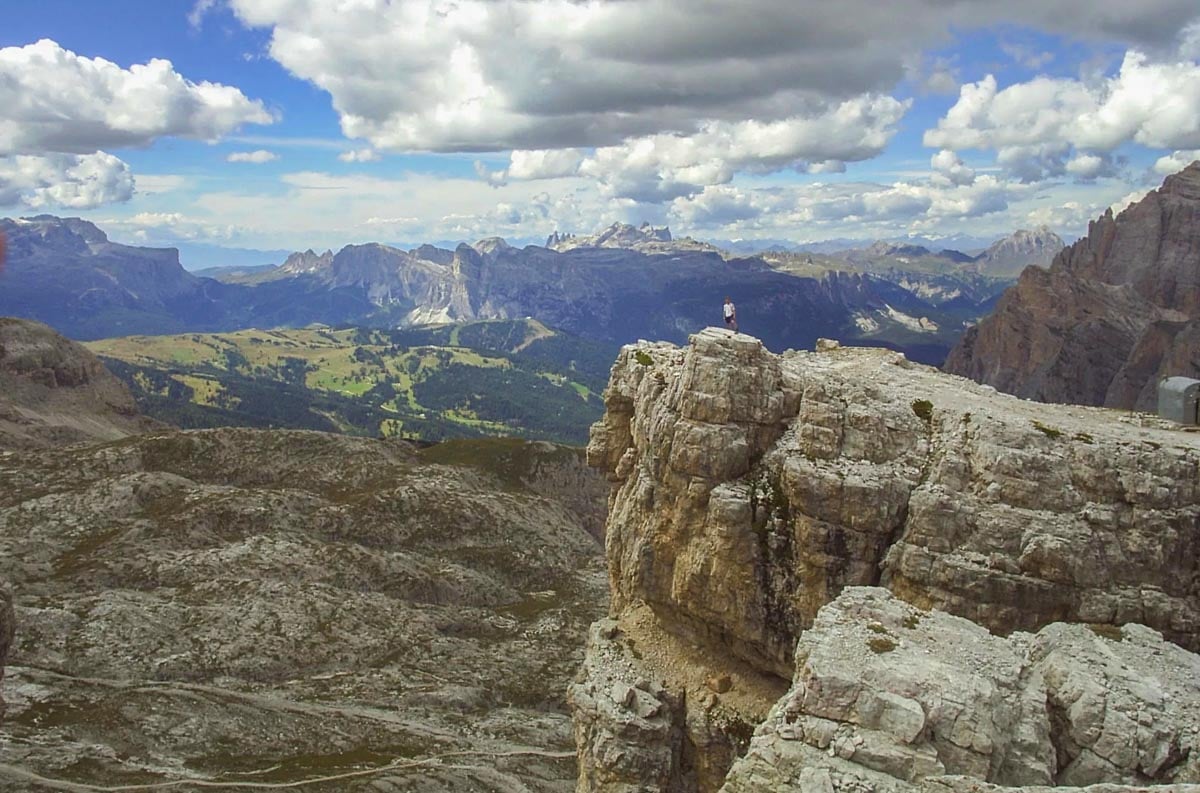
(290, 124)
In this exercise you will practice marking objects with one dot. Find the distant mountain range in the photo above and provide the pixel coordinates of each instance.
(620, 285)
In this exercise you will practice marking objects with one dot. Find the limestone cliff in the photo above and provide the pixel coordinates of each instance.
(1113, 314)
(749, 489)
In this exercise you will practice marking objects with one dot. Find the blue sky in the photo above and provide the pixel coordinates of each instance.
(315, 123)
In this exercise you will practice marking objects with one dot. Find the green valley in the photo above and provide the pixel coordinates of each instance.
(494, 378)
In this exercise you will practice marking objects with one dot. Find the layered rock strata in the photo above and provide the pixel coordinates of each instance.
(1113, 314)
(749, 489)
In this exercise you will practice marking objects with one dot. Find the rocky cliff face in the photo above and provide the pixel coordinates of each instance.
(291, 607)
(54, 391)
(750, 489)
(1113, 314)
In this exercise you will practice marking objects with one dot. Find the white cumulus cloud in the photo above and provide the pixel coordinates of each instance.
(496, 75)
(57, 101)
(663, 167)
(949, 169)
(1176, 161)
(1051, 126)
(359, 155)
(66, 181)
(167, 228)
(257, 157)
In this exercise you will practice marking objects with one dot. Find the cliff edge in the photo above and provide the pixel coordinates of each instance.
(750, 489)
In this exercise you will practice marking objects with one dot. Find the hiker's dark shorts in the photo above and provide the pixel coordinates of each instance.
(728, 320)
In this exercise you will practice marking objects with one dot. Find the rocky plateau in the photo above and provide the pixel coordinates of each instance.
(843, 571)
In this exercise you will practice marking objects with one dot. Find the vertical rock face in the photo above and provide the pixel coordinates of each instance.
(1115, 311)
(749, 489)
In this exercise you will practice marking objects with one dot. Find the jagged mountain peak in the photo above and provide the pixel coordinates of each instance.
(491, 245)
(1185, 183)
(1007, 257)
(884, 248)
(306, 262)
(616, 235)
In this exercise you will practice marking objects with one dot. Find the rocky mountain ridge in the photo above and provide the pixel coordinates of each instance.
(749, 490)
(1113, 314)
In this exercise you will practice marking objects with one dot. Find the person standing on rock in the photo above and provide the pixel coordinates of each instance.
(730, 314)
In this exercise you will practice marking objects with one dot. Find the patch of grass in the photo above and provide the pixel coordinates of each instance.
(923, 409)
(643, 358)
(881, 644)
(1083, 437)
(1106, 631)
(875, 627)
(1050, 432)
(912, 621)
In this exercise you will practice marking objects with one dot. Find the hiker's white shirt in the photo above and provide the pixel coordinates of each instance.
(728, 310)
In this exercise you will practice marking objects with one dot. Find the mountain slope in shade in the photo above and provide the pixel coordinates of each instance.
(1006, 258)
(54, 392)
(1113, 314)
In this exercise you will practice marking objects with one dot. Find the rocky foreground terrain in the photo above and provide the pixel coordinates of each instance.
(1115, 312)
(842, 571)
(286, 606)
(234, 606)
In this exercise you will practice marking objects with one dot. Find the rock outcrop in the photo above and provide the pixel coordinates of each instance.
(55, 392)
(750, 489)
(887, 698)
(1114, 313)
